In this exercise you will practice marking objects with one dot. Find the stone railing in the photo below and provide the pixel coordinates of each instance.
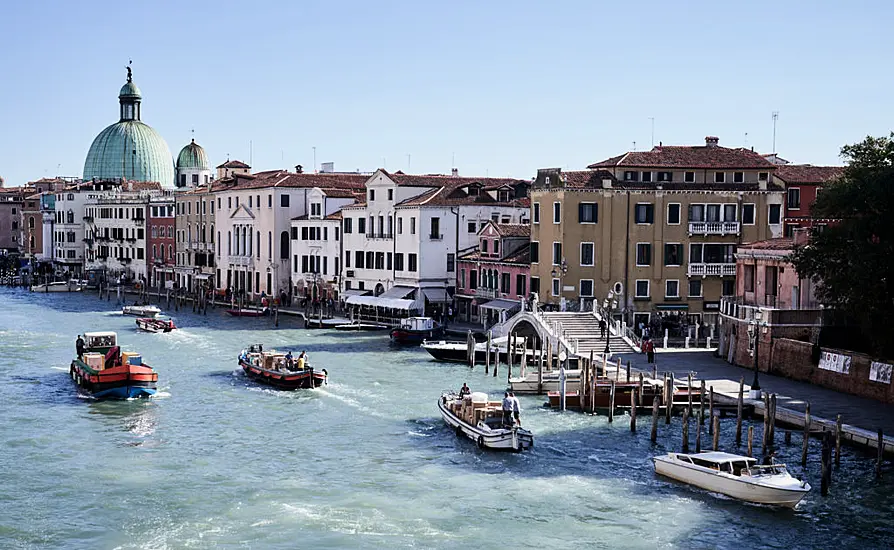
(713, 228)
(708, 270)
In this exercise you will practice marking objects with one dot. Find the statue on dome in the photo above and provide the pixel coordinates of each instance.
(129, 74)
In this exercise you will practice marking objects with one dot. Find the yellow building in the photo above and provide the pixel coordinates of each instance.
(660, 228)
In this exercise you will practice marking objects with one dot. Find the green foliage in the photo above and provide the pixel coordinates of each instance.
(852, 260)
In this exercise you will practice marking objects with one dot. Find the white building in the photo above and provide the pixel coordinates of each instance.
(316, 244)
(254, 222)
(405, 238)
(69, 239)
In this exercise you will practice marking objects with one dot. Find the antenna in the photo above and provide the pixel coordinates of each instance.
(634, 146)
(453, 161)
(775, 118)
(746, 139)
(408, 163)
(251, 151)
(315, 158)
(653, 130)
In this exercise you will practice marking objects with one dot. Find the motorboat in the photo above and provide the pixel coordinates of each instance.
(415, 330)
(736, 476)
(59, 286)
(152, 324)
(279, 370)
(106, 372)
(360, 326)
(476, 417)
(457, 352)
(248, 312)
(144, 310)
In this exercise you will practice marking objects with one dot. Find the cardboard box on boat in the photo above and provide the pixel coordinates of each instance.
(94, 360)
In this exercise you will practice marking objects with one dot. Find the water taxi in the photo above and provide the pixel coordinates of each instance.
(481, 420)
(59, 286)
(248, 312)
(415, 330)
(141, 310)
(277, 369)
(108, 373)
(736, 476)
(152, 324)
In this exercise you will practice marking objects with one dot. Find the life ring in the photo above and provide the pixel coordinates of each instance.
(480, 441)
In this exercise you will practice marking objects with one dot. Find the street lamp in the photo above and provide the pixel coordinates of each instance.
(559, 272)
(754, 329)
(609, 306)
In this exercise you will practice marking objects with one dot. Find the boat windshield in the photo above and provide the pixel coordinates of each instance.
(769, 470)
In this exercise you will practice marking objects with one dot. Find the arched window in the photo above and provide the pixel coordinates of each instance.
(230, 243)
(269, 245)
(258, 234)
(155, 251)
(212, 234)
(170, 252)
(203, 232)
(31, 222)
(284, 245)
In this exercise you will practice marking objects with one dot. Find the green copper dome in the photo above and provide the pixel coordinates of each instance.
(192, 156)
(130, 149)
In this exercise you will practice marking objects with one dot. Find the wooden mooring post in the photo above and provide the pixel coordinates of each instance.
(766, 432)
(540, 369)
(806, 434)
(715, 421)
(633, 404)
(837, 440)
(698, 437)
(750, 438)
(772, 428)
(826, 460)
(669, 399)
(487, 353)
(655, 404)
(628, 371)
(881, 454)
(689, 394)
(611, 402)
(701, 404)
(739, 405)
(497, 357)
(711, 410)
(685, 430)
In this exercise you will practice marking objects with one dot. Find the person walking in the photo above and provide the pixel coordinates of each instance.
(602, 326)
(507, 410)
(649, 348)
(516, 408)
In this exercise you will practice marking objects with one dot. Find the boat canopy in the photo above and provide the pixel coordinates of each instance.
(720, 458)
(100, 339)
(418, 323)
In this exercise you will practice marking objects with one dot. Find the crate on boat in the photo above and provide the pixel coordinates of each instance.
(94, 360)
(131, 358)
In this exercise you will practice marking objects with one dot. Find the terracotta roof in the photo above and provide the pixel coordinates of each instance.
(587, 178)
(141, 186)
(283, 178)
(334, 216)
(513, 229)
(687, 156)
(807, 173)
(592, 179)
(340, 193)
(781, 243)
(234, 164)
(454, 190)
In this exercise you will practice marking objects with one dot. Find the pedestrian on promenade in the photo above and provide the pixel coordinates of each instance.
(507, 410)
(649, 349)
(516, 408)
(602, 326)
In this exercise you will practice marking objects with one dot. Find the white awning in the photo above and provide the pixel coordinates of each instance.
(379, 301)
(437, 295)
(354, 292)
(398, 292)
(499, 304)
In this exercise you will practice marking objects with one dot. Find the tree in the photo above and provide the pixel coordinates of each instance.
(852, 260)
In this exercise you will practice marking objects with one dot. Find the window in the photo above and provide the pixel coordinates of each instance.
(372, 194)
(358, 259)
(695, 288)
(775, 214)
(391, 194)
(673, 254)
(586, 288)
(729, 287)
(520, 281)
(763, 176)
(249, 203)
(644, 213)
(269, 201)
(535, 215)
(647, 177)
(411, 262)
(473, 279)
(505, 280)
(794, 198)
(535, 252)
(587, 212)
(586, 254)
(712, 212)
(748, 214)
(729, 212)
(665, 176)
(496, 246)
(557, 253)
(305, 233)
(671, 288)
(284, 201)
(748, 277)
(642, 288)
(555, 288)
(630, 175)
(557, 212)
(435, 234)
(673, 214)
(484, 245)
(719, 177)
(370, 259)
(451, 262)
(412, 225)
(283, 245)
(380, 260)
(643, 254)
(472, 227)
(349, 225)
(399, 261)
(689, 177)
(696, 212)
(347, 258)
(738, 177)
(361, 225)
(535, 284)
(712, 253)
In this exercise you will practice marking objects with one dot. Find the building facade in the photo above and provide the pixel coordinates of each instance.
(494, 278)
(658, 228)
(11, 200)
(802, 183)
(197, 242)
(160, 240)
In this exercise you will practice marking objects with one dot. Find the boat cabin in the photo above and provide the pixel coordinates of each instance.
(721, 462)
(418, 324)
(100, 342)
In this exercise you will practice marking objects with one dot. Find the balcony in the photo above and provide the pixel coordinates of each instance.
(714, 228)
(712, 270)
(245, 261)
(491, 293)
(139, 221)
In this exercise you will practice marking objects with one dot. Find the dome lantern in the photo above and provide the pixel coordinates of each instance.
(129, 97)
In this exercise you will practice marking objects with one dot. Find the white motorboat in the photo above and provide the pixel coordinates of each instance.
(480, 420)
(153, 324)
(736, 476)
(59, 286)
(141, 311)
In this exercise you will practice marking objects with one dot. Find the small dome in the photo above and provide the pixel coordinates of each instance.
(192, 157)
(130, 90)
(130, 150)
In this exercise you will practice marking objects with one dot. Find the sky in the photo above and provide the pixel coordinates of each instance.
(491, 88)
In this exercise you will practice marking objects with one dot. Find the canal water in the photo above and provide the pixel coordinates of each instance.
(365, 462)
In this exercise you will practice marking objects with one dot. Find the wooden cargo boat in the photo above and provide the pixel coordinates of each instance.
(735, 476)
(107, 373)
(272, 368)
(150, 324)
(141, 310)
(481, 420)
(415, 330)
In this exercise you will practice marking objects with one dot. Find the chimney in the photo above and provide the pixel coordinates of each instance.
(299, 169)
(454, 172)
(712, 141)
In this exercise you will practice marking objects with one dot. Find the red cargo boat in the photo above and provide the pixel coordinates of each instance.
(274, 368)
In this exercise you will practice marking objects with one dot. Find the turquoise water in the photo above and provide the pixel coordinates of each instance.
(365, 462)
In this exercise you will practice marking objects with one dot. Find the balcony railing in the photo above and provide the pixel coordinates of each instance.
(712, 270)
(487, 293)
(713, 228)
(242, 260)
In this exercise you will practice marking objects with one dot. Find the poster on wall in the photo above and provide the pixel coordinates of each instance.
(880, 372)
(835, 362)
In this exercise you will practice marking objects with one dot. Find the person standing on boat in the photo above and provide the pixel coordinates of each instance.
(79, 346)
(289, 363)
(507, 410)
(516, 408)
(464, 391)
(302, 359)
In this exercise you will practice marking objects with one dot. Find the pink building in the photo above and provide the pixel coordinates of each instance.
(161, 243)
(494, 278)
(765, 277)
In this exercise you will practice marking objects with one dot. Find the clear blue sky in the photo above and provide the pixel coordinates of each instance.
(506, 87)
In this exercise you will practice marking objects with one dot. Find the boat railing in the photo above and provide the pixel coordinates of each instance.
(766, 470)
